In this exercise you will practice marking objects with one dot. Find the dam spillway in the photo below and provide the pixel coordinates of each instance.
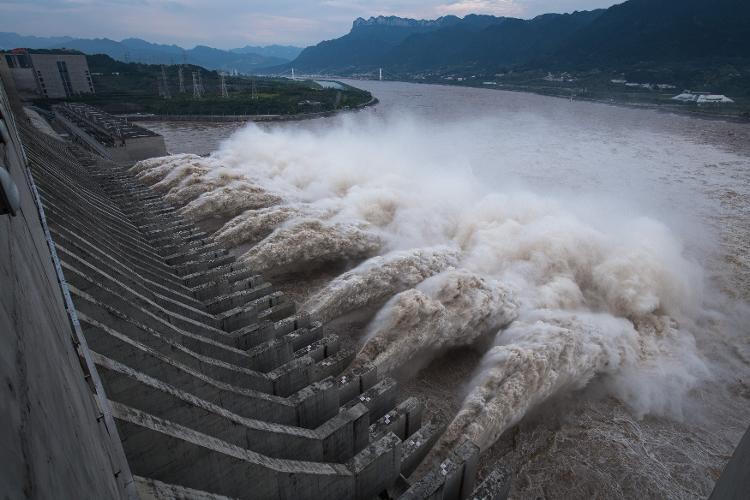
(195, 378)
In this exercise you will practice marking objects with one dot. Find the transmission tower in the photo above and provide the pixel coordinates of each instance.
(181, 79)
(254, 91)
(197, 88)
(165, 84)
(380, 74)
(224, 91)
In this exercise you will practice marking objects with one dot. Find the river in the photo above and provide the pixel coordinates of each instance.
(673, 186)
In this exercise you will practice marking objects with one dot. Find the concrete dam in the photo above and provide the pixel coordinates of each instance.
(142, 360)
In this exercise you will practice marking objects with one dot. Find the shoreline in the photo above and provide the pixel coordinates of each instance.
(662, 108)
(247, 118)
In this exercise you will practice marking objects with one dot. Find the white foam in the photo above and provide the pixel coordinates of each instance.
(307, 244)
(650, 368)
(586, 277)
(451, 309)
(379, 278)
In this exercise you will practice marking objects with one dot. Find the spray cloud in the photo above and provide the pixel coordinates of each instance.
(458, 248)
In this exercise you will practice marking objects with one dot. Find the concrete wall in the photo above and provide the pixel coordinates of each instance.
(23, 77)
(141, 148)
(734, 483)
(80, 136)
(25, 81)
(50, 81)
(55, 442)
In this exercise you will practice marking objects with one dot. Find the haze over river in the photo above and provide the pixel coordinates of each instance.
(615, 242)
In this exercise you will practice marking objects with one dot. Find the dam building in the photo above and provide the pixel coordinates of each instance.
(140, 359)
(106, 135)
(52, 74)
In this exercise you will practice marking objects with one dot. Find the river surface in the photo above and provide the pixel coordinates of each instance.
(693, 173)
(608, 165)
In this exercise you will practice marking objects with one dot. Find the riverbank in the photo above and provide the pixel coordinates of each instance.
(244, 118)
(666, 108)
(693, 111)
(732, 113)
(139, 92)
(737, 113)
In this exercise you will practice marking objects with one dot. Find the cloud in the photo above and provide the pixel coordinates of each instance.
(234, 23)
(494, 7)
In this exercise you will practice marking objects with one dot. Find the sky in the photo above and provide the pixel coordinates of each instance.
(235, 23)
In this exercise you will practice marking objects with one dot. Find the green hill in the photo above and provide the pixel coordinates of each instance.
(139, 88)
(637, 32)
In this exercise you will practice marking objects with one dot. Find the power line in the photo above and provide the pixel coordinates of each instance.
(197, 87)
(224, 91)
(165, 84)
(181, 78)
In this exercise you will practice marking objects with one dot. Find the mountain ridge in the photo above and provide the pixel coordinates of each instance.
(136, 49)
(288, 52)
(402, 22)
(630, 33)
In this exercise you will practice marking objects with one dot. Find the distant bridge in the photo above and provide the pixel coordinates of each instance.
(376, 74)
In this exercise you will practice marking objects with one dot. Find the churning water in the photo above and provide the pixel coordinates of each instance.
(593, 260)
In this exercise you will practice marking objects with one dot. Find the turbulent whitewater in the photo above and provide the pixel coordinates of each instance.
(562, 290)
(451, 309)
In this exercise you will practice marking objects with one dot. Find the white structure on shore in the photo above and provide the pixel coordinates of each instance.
(703, 98)
(562, 77)
(649, 86)
(686, 97)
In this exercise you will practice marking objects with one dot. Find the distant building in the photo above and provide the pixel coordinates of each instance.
(53, 75)
(650, 86)
(713, 99)
(702, 98)
(308, 106)
(562, 77)
(685, 97)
